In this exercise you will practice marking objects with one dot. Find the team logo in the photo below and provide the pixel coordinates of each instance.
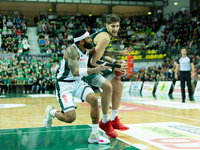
(82, 59)
(163, 87)
(65, 98)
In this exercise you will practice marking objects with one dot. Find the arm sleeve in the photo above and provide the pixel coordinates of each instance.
(178, 60)
(191, 60)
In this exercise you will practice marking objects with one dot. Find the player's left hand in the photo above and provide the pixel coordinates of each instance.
(124, 67)
(193, 74)
(126, 51)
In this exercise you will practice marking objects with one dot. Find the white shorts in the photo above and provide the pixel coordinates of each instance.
(65, 92)
(99, 80)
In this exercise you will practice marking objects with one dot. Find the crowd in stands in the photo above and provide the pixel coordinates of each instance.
(56, 33)
(13, 32)
(181, 30)
(34, 77)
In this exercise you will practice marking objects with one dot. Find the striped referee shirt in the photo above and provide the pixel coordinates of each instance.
(184, 63)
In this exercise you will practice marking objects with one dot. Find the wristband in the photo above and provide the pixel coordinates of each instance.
(114, 61)
(83, 72)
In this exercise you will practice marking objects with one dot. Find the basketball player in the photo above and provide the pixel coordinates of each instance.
(110, 84)
(69, 84)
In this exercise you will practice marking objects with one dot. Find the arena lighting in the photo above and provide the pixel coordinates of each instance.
(149, 13)
(50, 9)
(175, 3)
(90, 14)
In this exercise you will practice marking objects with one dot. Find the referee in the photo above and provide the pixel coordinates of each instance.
(185, 64)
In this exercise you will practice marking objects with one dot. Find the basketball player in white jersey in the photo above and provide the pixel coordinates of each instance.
(69, 84)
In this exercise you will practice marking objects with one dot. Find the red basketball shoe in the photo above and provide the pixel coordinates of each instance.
(107, 127)
(116, 124)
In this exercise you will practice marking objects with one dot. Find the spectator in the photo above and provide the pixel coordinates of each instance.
(42, 42)
(26, 47)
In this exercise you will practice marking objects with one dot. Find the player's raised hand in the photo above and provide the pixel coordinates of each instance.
(126, 51)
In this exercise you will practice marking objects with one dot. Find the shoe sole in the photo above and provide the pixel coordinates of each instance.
(109, 135)
(122, 129)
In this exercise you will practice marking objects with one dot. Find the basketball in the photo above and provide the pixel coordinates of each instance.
(120, 72)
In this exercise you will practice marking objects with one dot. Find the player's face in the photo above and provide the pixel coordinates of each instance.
(183, 51)
(113, 28)
(87, 42)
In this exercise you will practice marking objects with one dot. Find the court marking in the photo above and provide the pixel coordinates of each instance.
(170, 104)
(3, 106)
(46, 130)
(173, 116)
(68, 130)
(22, 122)
(166, 135)
(41, 127)
(117, 137)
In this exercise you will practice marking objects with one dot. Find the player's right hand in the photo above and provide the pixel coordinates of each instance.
(176, 76)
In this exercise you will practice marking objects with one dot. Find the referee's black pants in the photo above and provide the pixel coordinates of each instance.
(185, 76)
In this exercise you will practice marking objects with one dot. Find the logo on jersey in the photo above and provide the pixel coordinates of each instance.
(65, 98)
(82, 59)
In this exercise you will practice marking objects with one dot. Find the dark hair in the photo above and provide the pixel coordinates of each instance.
(112, 18)
(78, 33)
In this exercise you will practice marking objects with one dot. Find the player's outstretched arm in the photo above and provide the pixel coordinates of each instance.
(125, 52)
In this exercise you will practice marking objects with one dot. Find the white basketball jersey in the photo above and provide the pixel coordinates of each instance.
(64, 71)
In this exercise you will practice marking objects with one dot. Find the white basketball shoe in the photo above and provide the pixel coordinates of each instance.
(97, 138)
(48, 118)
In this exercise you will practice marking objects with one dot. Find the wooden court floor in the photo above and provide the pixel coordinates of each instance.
(156, 122)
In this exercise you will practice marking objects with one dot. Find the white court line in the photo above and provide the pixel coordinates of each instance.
(48, 131)
(23, 117)
(174, 116)
(22, 122)
(117, 137)
(42, 126)
(134, 145)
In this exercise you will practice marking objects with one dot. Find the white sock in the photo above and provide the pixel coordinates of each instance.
(95, 128)
(53, 111)
(114, 113)
(105, 118)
